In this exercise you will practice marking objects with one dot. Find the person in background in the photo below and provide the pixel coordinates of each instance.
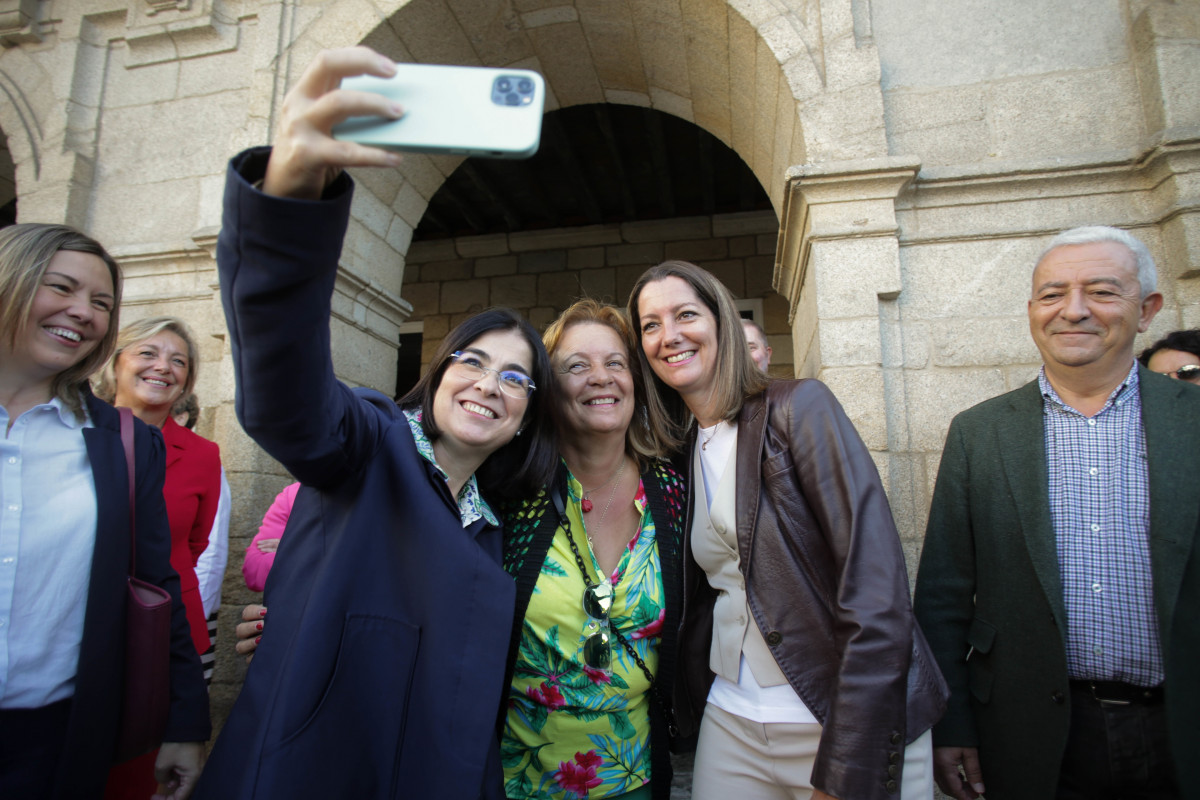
(154, 365)
(383, 669)
(756, 340)
(260, 554)
(1177, 354)
(210, 567)
(65, 537)
(798, 646)
(1060, 576)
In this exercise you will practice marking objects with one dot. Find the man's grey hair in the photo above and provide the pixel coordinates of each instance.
(747, 322)
(1147, 273)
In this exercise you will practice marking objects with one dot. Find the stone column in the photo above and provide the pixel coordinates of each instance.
(837, 261)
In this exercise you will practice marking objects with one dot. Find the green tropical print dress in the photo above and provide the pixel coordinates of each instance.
(573, 731)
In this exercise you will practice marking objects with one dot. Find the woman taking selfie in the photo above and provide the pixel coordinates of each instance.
(68, 519)
(154, 365)
(597, 560)
(798, 644)
(384, 664)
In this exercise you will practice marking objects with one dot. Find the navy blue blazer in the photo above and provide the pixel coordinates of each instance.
(96, 706)
(382, 671)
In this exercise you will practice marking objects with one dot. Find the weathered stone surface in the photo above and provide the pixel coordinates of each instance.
(516, 291)
(467, 296)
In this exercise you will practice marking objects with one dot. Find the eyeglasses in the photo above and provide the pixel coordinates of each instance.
(597, 648)
(512, 383)
(1189, 373)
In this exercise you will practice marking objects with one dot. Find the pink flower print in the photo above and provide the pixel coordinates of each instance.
(596, 676)
(547, 695)
(652, 628)
(579, 776)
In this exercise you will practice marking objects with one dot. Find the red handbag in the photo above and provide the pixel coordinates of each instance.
(146, 698)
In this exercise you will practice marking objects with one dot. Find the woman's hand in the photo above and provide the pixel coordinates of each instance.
(250, 629)
(306, 158)
(267, 545)
(177, 768)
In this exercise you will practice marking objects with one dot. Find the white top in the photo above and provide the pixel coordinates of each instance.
(47, 537)
(210, 568)
(747, 698)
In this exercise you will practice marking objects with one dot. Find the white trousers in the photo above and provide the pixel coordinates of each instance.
(738, 759)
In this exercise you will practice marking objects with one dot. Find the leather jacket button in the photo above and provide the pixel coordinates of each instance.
(893, 771)
(1058, 698)
(895, 738)
(774, 638)
(893, 758)
(890, 786)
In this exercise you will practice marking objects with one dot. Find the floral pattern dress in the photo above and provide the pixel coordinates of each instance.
(573, 731)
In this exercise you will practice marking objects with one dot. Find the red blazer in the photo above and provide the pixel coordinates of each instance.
(191, 490)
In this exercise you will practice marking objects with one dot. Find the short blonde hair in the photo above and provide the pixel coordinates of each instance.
(738, 376)
(140, 331)
(648, 436)
(25, 254)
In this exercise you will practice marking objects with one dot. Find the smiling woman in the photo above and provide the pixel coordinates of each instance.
(380, 674)
(797, 646)
(67, 529)
(155, 364)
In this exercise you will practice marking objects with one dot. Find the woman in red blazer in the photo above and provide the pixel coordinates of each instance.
(154, 365)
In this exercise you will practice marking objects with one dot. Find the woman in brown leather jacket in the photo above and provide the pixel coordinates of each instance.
(798, 644)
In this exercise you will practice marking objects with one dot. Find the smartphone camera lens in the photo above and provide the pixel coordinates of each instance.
(525, 86)
(504, 85)
(512, 99)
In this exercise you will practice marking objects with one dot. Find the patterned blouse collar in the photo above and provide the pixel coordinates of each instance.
(471, 505)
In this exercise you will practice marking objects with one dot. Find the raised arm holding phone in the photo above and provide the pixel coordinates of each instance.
(383, 670)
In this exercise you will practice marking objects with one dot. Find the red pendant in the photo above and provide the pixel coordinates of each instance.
(586, 505)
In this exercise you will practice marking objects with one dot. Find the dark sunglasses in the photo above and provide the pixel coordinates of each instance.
(597, 602)
(1189, 373)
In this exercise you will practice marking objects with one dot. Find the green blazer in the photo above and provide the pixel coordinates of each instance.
(989, 596)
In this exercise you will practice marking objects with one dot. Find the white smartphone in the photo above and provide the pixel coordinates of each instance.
(471, 111)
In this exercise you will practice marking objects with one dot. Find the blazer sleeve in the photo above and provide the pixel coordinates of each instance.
(258, 564)
(278, 260)
(872, 621)
(945, 596)
(188, 720)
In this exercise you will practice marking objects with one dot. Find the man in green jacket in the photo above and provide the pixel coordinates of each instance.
(1060, 582)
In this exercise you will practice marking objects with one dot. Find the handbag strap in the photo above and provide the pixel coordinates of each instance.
(127, 443)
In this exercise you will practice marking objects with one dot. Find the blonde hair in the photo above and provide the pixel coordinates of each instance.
(648, 436)
(140, 331)
(738, 376)
(25, 254)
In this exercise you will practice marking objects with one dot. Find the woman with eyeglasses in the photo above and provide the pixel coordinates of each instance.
(383, 668)
(1177, 354)
(798, 646)
(597, 561)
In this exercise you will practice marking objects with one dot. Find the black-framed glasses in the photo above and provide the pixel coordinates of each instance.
(597, 647)
(512, 382)
(1189, 373)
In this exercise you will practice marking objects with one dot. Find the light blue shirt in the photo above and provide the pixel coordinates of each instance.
(1100, 508)
(47, 536)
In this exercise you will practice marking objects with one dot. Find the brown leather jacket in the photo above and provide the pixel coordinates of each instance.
(827, 585)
